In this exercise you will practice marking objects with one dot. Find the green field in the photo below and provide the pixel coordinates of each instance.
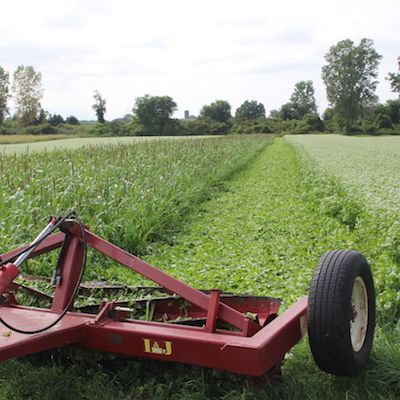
(368, 171)
(18, 139)
(239, 213)
(369, 165)
(27, 144)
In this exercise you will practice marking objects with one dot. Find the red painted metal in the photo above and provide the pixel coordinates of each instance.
(248, 347)
(226, 313)
(7, 274)
(71, 329)
(174, 307)
(49, 244)
(71, 266)
(34, 292)
(212, 314)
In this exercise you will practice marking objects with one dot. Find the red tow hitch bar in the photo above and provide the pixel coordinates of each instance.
(241, 334)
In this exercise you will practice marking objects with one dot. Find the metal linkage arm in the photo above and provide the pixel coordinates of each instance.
(194, 296)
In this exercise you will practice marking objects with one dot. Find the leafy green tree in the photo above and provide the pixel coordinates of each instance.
(127, 118)
(218, 111)
(350, 79)
(154, 113)
(394, 79)
(56, 119)
(72, 120)
(383, 121)
(394, 110)
(99, 107)
(274, 114)
(287, 112)
(4, 93)
(391, 109)
(314, 122)
(302, 102)
(250, 110)
(41, 117)
(328, 114)
(303, 99)
(27, 89)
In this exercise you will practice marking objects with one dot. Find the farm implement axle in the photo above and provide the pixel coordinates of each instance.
(242, 334)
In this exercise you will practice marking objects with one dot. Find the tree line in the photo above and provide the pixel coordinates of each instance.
(350, 77)
(27, 92)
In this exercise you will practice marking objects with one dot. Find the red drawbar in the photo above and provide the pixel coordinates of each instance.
(243, 335)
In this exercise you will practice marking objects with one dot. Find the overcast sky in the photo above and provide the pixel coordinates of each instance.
(194, 51)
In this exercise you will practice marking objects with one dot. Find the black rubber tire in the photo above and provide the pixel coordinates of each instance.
(329, 312)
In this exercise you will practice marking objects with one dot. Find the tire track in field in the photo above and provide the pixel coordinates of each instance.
(263, 236)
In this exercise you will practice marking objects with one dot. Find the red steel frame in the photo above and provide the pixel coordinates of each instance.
(250, 348)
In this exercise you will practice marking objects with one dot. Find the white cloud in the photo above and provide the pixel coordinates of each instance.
(194, 51)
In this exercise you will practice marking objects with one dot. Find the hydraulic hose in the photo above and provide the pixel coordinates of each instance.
(40, 239)
(71, 215)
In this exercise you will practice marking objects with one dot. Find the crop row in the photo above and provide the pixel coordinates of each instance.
(264, 236)
(130, 194)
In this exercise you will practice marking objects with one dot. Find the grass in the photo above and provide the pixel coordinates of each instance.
(262, 234)
(78, 374)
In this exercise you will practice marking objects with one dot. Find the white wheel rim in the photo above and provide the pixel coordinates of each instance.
(359, 314)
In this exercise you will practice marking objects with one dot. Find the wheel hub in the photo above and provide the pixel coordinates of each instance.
(359, 314)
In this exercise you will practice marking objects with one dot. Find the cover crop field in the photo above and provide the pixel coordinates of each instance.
(241, 214)
(368, 172)
(12, 144)
(18, 139)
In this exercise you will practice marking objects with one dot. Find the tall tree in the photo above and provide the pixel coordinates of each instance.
(250, 110)
(27, 89)
(4, 93)
(219, 111)
(41, 117)
(394, 79)
(72, 120)
(56, 119)
(154, 112)
(287, 111)
(303, 99)
(99, 106)
(350, 79)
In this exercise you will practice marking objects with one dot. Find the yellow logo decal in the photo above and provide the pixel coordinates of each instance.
(152, 346)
